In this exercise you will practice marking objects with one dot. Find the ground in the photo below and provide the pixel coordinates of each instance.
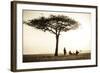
(51, 57)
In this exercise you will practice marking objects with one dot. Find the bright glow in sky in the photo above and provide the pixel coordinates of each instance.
(38, 42)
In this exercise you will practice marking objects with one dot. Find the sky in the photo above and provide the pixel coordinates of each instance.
(38, 42)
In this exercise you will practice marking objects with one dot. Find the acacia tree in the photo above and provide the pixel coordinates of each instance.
(54, 24)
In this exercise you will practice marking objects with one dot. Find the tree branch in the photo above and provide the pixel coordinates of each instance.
(51, 31)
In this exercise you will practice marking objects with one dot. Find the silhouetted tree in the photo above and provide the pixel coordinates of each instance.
(54, 24)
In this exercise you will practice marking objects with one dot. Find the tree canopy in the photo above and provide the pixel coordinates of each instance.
(54, 24)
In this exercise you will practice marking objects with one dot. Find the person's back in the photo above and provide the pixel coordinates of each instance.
(64, 51)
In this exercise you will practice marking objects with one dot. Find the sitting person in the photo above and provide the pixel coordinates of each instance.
(70, 53)
(77, 52)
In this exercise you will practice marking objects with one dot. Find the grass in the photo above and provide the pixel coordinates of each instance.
(51, 57)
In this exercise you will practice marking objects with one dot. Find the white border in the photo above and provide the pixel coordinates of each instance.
(35, 65)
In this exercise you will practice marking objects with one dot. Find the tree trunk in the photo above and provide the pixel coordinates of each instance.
(57, 42)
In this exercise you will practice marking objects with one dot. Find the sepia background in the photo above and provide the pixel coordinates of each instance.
(38, 42)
